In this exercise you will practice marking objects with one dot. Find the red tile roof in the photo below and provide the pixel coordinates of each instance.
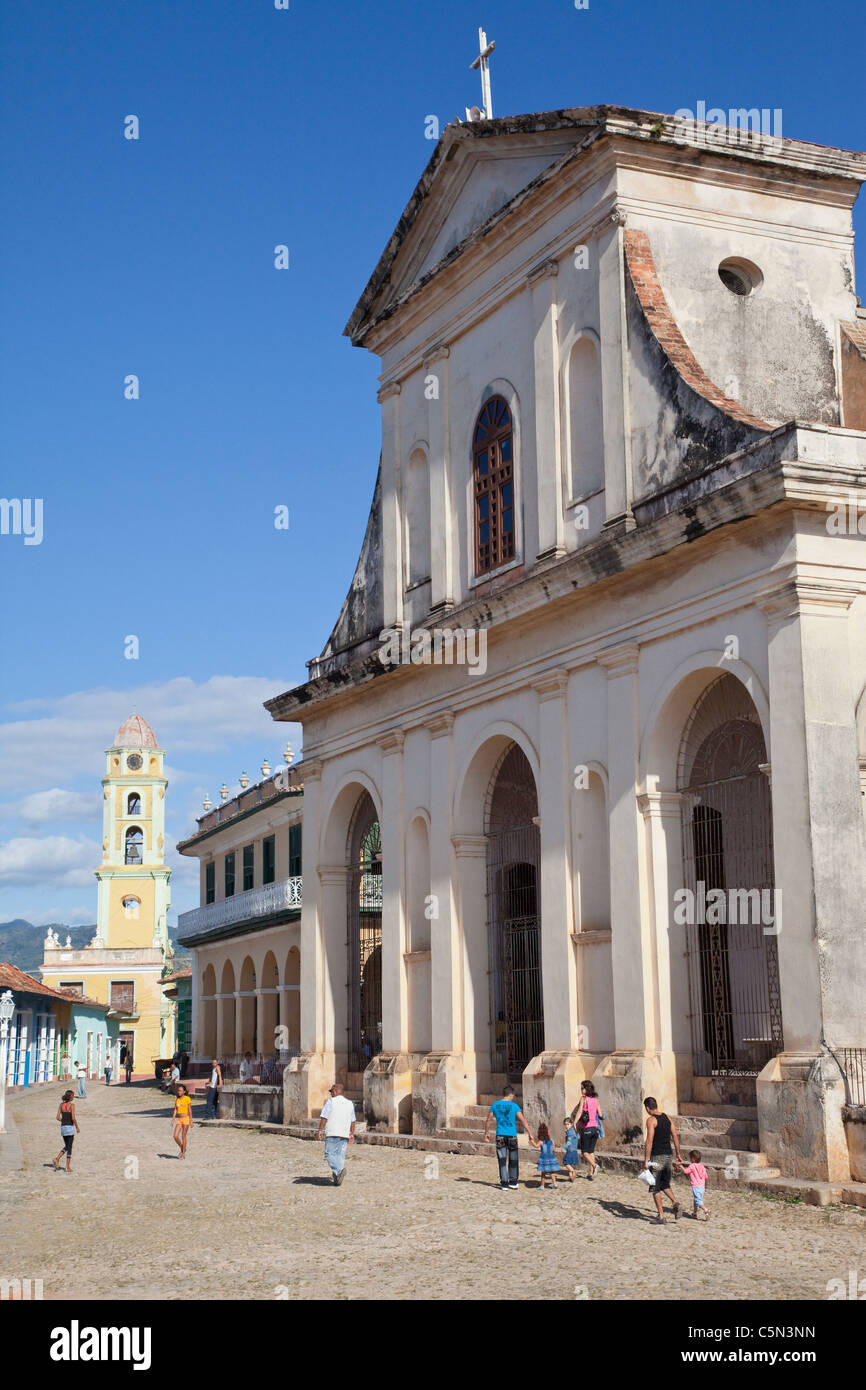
(13, 978)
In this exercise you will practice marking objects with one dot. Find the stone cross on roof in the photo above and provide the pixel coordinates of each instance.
(483, 62)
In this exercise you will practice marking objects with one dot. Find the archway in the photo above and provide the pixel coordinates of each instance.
(290, 1013)
(270, 1015)
(248, 1040)
(365, 934)
(227, 1011)
(730, 908)
(209, 1011)
(513, 899)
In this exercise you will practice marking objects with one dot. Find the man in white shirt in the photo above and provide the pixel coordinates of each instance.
(247, 1070)
(337, 1122)
(81, 1073)
(216, 1080)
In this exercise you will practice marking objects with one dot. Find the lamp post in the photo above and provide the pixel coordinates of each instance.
(7, 1009)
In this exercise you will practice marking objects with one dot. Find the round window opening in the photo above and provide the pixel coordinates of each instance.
(739, 276)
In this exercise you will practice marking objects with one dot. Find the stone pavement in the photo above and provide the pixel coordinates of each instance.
(254, 1216)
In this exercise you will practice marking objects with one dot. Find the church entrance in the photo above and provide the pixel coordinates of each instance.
(365, 935)
(513, 914)
(731, 926)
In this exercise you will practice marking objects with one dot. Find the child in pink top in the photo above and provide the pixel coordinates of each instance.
(697, 1176)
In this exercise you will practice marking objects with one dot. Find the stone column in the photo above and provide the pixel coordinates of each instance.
(551, 1082)
(442, 579)
(637, 1067)
(820, 875)
(662, 813)
(388, 1078)
(545, 394)
(392, 526)
(307, 1077)
(613, 334)
(445, 1080)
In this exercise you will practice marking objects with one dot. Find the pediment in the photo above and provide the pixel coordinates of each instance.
(484, 183)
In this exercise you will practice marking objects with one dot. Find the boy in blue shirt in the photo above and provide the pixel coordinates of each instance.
(506, 1112)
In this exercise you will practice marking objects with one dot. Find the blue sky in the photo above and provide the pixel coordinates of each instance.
(155, 257)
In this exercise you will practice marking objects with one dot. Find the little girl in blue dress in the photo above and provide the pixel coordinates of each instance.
(571, 1157)
(548, 1163)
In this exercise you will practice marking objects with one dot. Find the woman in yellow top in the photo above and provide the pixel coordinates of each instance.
(183, 1116)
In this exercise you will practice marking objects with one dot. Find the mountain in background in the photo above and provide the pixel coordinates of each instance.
(21, 944)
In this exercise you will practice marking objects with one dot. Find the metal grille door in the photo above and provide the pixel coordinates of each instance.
(515, 946)
(735, 1004)
(365, 945)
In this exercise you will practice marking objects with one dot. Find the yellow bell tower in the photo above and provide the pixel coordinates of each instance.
(133, 880)
(124, 963)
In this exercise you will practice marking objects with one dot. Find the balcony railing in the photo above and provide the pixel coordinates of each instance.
(266, 901)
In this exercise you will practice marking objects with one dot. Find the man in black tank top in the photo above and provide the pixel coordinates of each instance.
(660, 1130)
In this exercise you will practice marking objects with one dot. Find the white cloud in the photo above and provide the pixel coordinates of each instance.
(189, 718)
(70, 916)
(54, 858)
(51, 806)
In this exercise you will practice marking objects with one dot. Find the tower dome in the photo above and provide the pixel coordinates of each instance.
(135, 732)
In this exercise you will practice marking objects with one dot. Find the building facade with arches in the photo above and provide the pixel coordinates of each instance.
(627, 844)
(245, 934)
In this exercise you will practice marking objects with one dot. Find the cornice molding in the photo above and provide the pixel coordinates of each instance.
(389, 389)
(621, 660)
(551, 685)
(392, 742)
(440, 724)
(437, 353)
(469, 846)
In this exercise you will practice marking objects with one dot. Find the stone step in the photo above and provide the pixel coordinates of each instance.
(721, 1112)
(750, 1167)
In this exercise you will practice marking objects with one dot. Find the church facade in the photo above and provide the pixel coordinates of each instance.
(585, 751)
(124, 963)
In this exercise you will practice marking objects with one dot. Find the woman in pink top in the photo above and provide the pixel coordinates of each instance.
(585, 1117)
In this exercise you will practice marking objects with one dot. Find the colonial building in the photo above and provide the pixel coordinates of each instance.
(245, 936)
(125, 961)
(593, 712)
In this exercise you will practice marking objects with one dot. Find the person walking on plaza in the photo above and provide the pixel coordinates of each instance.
(587, 1120)
(548, 1163)
(68, 1129)
(337, 1120)
(182, 1115)
(216, 1080)
(697, 1176)
(127, 1066)
(507, 1113)
(660, 1130)
(108, 1069)
(65, 1073)
(81, 1073)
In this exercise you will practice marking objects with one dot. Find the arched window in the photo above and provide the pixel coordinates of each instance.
(493, 479)
(133, 804)
(585, 419)
(417, 518)
(134, 843)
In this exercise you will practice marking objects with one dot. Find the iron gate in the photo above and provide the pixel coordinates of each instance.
(365, 946)
(517, 1012)
(733, 964)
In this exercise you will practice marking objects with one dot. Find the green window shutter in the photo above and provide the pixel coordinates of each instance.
(295, 850)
